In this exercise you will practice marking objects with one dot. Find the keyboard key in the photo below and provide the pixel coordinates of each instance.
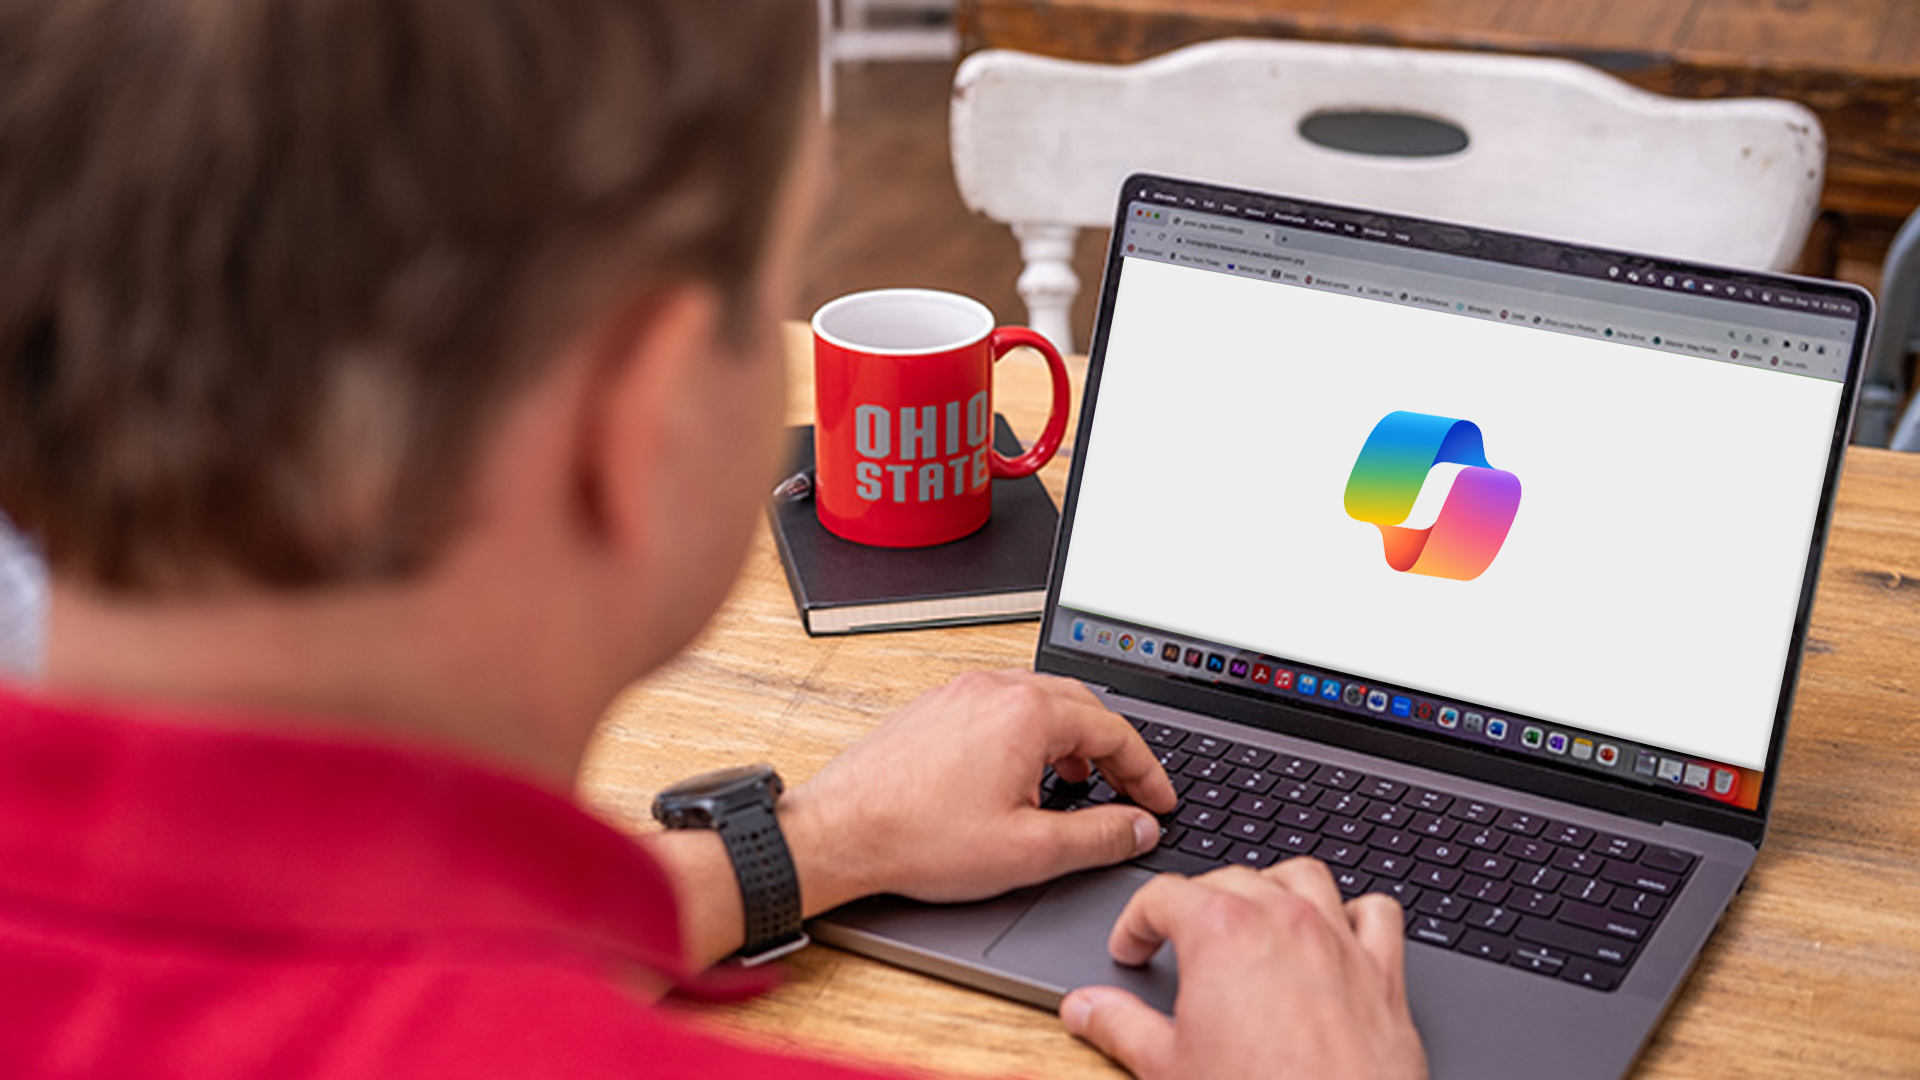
(1299, 817)
(1528, 851)
(1434, 931)
(1339, 853)
(1294, 841)
(1616, 847)
(1486, 838)
(1138, 724)
(1433, 802)
(1640, 877)
(1533, 902)
(1295, 768)
(1400, 843)
(1381, 788)
(1484, 945)
(1173, 761)
(1496, 920)
(1211, 794)
(1211, 770)
(1209, 844)
(1339, 779)
(1202, 818)
(1251, 757)
(1386, 864)
(1546, 879)
(1101, 792)
(1637, 903)
(1255, 780)
(1538, 959)
(1258, 806)
(1487, 864)
(1250, 855)
(1487, 889)
(1440, 851)
(1573, 836)
(1342, 803)
(1163, 735)
(1297, 791)
(1574, 940)
(1518, 821)
(1351, 882)
(1588, 973)
(1438, 877)
(1205, 745)
(1617, 923)
(1474, 813)
(1406, 892)
(1586, 890)
(1170, 834)
(1434, 825)
(1175, 861)
(1584, 863)
(1348, 829)
(1250, 830)
(1667, 859)
(1442, 906)
(1389, 814)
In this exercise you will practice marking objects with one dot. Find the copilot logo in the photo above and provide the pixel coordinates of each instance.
(1399, 459)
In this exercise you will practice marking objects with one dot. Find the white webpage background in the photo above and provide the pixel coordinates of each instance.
(1650, 581)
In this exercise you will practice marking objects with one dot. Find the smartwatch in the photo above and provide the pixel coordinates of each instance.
(738, 804)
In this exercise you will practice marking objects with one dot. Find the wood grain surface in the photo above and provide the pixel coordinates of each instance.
(1816, 972)
(1854, 62)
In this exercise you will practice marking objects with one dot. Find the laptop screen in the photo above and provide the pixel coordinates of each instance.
(1553, 501)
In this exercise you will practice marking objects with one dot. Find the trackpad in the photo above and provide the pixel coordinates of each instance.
(1061, 941)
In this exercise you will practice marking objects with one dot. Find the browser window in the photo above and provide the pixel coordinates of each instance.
(1490, 498)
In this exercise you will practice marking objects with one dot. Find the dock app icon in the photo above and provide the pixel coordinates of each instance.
(1396, 463)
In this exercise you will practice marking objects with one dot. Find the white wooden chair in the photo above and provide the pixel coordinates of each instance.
(1552, 148)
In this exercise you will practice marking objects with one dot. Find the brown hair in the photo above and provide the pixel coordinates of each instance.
(267, 267)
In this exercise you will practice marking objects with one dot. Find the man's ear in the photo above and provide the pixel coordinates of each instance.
(639, 409)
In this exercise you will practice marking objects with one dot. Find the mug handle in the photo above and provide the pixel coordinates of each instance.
(1004, 340)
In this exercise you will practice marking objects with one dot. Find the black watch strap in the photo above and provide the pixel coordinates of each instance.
(769, 885)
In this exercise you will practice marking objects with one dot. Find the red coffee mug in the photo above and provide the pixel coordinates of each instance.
(903, 400)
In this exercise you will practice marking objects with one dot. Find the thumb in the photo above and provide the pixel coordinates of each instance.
(1095, 836)
(1122, 1027)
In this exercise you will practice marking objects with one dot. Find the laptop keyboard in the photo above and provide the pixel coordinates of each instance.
(1508, 886)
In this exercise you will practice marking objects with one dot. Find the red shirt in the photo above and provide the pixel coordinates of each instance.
(190, 901)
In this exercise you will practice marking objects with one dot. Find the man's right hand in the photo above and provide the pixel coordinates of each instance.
(1278, 979)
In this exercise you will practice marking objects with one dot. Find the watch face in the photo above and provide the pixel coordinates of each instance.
(723, 782)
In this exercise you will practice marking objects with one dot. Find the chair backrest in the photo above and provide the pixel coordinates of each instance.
(1554, 148)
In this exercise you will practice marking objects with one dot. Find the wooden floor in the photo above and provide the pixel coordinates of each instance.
(893, 216)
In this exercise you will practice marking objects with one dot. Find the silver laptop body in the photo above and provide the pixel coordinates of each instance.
(1483, 535)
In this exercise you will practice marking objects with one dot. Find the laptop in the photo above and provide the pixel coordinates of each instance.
(1476, 565)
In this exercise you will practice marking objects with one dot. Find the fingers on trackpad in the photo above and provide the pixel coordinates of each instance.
(1062, 939)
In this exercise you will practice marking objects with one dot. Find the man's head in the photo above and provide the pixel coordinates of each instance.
(269, 271)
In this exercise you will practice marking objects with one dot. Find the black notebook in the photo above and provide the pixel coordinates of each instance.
(998, 574)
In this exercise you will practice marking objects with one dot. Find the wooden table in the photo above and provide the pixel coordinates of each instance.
(1815, 974)
(1854, 62)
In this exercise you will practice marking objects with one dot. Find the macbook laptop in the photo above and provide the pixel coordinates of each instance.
(1476, 565)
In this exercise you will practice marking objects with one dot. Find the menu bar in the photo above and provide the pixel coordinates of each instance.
(1776, 337)
(1647, 272)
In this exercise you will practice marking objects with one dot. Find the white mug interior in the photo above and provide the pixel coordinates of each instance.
(903, 322)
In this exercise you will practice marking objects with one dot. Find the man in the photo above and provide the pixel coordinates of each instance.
(389, 382)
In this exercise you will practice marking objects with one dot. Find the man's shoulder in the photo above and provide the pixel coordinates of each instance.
(390, 1009)
(565, 1024)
